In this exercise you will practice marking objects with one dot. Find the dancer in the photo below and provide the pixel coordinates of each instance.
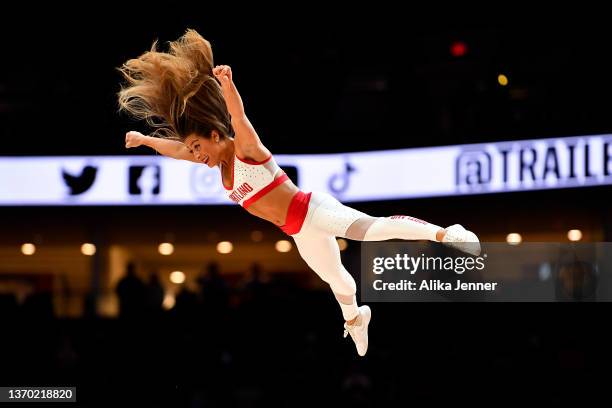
(197, 115)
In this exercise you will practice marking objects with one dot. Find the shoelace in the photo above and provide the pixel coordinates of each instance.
(347, 330)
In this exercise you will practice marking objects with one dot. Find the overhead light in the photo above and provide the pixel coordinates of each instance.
(88, 249)
(283, 245)
(514, 238)
(225, 247)
(502, 79)
(28, 248)
(166, 248)
(574, 235)
(177, 277)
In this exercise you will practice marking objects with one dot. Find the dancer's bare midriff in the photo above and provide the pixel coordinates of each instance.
(274, 205)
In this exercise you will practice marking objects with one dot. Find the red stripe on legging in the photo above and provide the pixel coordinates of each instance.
(395, 217)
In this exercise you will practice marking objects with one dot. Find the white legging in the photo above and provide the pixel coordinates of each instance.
(327, 219)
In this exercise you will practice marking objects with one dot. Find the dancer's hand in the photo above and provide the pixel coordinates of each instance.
(133, 139)
(223, 73)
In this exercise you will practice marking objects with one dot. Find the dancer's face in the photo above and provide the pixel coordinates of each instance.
(206, 150)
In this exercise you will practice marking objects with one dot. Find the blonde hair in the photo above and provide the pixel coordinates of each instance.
(175, 92)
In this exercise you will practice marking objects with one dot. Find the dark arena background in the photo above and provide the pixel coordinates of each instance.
(203, 305)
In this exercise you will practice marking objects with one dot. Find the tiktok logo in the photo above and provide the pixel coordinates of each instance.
(339, 182)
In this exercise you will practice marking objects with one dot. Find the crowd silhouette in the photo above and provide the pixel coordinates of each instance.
(266, 341)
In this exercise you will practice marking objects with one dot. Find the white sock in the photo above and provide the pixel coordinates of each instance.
(349, 312)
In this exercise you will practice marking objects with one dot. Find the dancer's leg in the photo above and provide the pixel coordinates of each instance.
(337, 219)
(321, 253)
(332, 217)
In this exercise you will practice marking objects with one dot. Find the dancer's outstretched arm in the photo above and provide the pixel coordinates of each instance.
(166, 147)
(247, 141)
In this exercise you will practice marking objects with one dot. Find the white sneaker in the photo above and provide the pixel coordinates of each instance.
(359, 333)
(458, 237)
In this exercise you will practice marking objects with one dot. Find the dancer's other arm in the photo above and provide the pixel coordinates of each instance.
(166, 147)
(247, 141)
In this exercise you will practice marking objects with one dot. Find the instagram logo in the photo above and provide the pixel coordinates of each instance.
(473, 170)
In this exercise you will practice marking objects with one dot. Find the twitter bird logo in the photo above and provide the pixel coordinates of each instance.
(78, 184)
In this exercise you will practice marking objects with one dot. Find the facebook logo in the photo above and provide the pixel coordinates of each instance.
(144, 181)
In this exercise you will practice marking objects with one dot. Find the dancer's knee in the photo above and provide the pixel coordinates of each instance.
(358, 229)
(343, 284)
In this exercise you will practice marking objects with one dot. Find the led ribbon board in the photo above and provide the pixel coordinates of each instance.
(364, 176)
